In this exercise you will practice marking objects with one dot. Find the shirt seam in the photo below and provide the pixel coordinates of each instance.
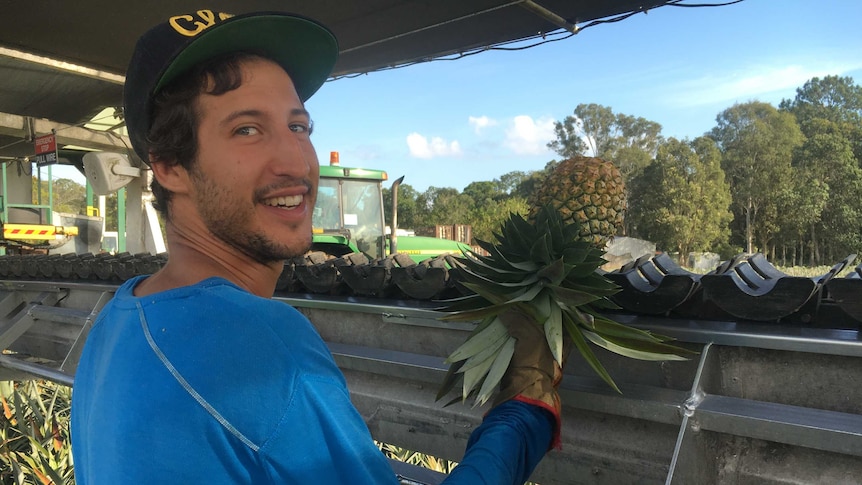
(188, 387)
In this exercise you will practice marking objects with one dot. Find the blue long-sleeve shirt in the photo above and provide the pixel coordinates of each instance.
(211, 384)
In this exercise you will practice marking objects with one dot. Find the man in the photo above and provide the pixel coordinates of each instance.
(193, 374)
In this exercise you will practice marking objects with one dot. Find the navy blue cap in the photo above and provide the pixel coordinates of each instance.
(304, 48)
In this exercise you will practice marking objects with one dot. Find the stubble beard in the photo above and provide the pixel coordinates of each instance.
(227, 218)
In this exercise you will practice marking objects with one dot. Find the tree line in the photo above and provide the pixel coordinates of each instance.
(70, 197)
(784, 181)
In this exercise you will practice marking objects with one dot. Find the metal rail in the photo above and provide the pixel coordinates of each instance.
(735, 358)
(757, 389)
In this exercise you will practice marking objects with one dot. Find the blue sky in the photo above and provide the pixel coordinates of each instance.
(450, 123)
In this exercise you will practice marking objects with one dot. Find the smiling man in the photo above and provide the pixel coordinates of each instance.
(194, 374)
(245, 204)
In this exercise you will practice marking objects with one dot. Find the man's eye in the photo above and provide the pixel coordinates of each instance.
(302, 127)
(246, 131)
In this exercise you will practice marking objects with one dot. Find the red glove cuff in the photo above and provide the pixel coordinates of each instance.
(556, 441)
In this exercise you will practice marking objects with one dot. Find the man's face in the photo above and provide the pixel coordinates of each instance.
(256, 174)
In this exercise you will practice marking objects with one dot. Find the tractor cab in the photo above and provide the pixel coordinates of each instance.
(348, 214)
(349, 217)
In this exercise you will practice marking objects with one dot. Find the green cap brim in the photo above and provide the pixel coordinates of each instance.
(306, 50)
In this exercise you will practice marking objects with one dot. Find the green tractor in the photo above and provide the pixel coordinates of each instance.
(348, 217)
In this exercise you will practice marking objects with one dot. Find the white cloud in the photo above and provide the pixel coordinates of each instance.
(526, 136)
(481, 122)
(420, 147)
(756, 83)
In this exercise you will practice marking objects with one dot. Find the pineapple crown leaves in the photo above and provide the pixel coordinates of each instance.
(541, 269)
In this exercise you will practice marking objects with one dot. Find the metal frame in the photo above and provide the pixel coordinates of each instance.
(392, 354)
(693, 412)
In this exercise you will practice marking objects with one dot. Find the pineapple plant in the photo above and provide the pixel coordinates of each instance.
(541, 273)
(587, 190)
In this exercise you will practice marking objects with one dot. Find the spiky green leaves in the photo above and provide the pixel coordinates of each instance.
(481, 361)
(541, 270)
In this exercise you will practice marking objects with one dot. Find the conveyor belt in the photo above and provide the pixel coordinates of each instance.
(758, 392)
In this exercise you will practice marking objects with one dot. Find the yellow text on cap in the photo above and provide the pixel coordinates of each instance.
(191, 25)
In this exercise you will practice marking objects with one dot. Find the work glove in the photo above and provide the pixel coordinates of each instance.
(533, 375)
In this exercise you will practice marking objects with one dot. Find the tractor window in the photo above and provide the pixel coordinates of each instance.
(363, 214)
(326, 211)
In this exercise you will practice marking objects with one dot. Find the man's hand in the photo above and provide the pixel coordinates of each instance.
(533, 374)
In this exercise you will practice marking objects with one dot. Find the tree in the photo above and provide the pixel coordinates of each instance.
(442, 205)
(491, 205)
(828, 157)
(757, 143)
(804, 200)
(636, 133)
(527, 186)
(482, 191)
(486, 219)
(681, 201)
(112, 221)
(832, 98)
(630, 142)
(590, 129)
(407, 210)
(570, 138)
(829, 112)
(509, 182)
(69, 196)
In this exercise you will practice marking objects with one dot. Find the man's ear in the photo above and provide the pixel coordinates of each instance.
(171, 176)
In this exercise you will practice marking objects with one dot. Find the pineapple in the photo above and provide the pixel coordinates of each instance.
(587, 190)
(541, 272)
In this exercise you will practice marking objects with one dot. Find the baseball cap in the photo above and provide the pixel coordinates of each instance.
(304, 48)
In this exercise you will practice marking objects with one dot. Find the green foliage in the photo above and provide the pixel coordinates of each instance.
(69, 196)
(628, 141)
(827, 203)
(482, 205)
(757, 142)
(509, 182)
(528, 185)
(487, 215)
(110, 215)
(794, 173)
(538, 273)
(681, 201)
(829, 111)
(407, 209)
(588, 130)
(443, 205)
(34, 434)
(794, 177)
(835, 99)
(483, 191)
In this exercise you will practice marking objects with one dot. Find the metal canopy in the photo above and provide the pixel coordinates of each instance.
(373, 34)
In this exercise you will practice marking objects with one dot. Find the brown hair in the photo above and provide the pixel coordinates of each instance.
(172, 137)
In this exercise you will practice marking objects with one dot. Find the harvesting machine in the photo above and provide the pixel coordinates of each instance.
(773, 397)
(349, 217)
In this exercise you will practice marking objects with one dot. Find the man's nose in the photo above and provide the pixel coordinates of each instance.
(293, 155)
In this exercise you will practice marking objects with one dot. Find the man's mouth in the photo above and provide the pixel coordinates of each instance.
(287, 202)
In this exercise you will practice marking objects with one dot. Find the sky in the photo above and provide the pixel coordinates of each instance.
(450, 123)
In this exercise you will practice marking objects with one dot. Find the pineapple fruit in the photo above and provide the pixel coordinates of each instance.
(545, 271)
(586, 190)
